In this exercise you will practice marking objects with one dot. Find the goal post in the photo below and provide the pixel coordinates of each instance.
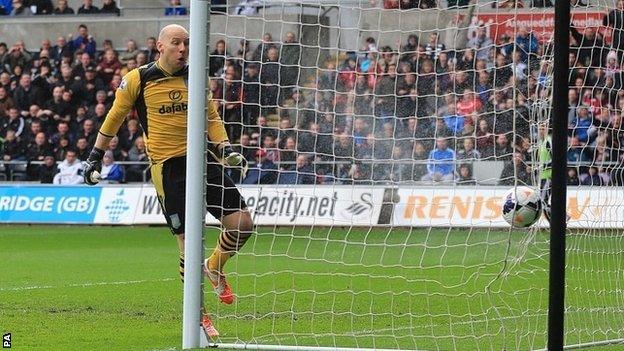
(381, 137)
(195, 211)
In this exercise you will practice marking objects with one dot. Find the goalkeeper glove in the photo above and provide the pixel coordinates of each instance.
(234, 159)
(93, 166)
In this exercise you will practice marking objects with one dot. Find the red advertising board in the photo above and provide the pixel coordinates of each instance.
(541, 23)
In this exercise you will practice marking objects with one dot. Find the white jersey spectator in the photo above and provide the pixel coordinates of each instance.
(70, 170)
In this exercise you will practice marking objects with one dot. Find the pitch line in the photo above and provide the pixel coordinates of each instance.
(85, 285)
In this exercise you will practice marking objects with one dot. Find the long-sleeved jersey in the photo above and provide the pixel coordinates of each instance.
(161, 101)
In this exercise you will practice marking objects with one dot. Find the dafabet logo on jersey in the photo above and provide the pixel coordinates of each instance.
(175, 96)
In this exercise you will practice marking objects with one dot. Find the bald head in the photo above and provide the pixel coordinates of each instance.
(171, 30)
(172, 45)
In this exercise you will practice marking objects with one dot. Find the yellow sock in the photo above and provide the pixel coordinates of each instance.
(217, 259)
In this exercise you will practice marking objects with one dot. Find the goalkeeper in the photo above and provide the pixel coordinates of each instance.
(159, 93)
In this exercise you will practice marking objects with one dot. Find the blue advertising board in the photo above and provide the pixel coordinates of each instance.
(48, 204)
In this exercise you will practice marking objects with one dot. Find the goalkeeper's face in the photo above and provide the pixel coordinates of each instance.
(173, 46)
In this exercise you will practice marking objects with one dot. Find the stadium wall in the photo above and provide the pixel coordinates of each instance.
(595, 207)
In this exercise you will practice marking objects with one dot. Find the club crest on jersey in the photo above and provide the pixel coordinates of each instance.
(122, 85)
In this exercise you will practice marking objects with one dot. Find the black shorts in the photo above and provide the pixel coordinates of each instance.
(169, 178)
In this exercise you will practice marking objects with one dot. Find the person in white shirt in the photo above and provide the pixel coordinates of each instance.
(70, 170)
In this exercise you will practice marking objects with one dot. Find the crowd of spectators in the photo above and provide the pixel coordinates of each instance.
(416, 112)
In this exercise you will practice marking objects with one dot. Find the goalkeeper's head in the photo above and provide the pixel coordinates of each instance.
(173, 46)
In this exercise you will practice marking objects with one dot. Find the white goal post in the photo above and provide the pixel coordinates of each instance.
(381, 135)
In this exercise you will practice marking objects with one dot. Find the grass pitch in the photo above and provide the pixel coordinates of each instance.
(117, 288)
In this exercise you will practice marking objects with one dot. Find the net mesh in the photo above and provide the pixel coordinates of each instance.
(381, 137)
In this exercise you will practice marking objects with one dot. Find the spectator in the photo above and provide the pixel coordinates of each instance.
(288, 154)
(593, 178)
(112, 172)
(151, 51)
(109, 6)
(129, 135)
(465, 175)
(248, 7)
(135, 172)
(526, 43)
(302, 174)
(261, 52)
(515, 171)
(290, 61)
(468, 152)
(6, 6)
(12, 147)
(481, 43)
(454, 121)
(87, 8)
(85, 89)
(434, 47)
(19, 9)
(42, 7)
(6, 102)
(580, 126)
(60, 50)
(131, 52)
(233, 100)
(217, 58)
(18, 57)
(108, 66)
(264, 172)
(15, 122)
(441, 163)
(270, 79)
(615, 20)
(175, 9)
(251, 94)
(70, 170)
(82, 149)
(80, 69)
(83, 41)
(47, 170)
(62, 8)
(577, 152)
(61, 147)
(572, 178)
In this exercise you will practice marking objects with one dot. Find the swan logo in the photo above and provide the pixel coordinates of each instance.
(361, 208)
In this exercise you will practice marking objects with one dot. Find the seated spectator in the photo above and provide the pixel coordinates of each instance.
(111, 172)
(19, 9)
(82, 149)
(12, 148)
(175, 9)
(15, 122)
(441, 163)
(62, 8)
(288, 154)
(6, 102)
(129, 135)
(468, 152)
(593, 178)
(87, 8)
(47, 170)
(515, 170)
(119, 153)
(134, 173)
(109, 6)
(6, 6)
(264, 171)
(61, 148)
(25, 94)
(572, 178)
(577, 152)
(302, 174)
(454, 121)
(131, 52)
(42, 7)
(465, 175)
(248, 7)
(36, 150)
(580, 126)
(70, 170)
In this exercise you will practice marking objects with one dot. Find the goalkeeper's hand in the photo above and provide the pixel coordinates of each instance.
(234, 159)
(93, 167)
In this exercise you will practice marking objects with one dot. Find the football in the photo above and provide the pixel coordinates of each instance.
(522, 206)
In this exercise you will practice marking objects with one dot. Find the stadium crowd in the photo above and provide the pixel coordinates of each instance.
(418, 111)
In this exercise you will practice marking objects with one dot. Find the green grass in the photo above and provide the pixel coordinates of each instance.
(116, 288)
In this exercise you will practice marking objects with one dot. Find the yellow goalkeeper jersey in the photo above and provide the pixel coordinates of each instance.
(161, 101)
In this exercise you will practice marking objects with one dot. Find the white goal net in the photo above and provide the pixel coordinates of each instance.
(381, 137)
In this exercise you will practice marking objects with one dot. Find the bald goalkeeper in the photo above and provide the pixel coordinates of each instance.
(159, 93)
